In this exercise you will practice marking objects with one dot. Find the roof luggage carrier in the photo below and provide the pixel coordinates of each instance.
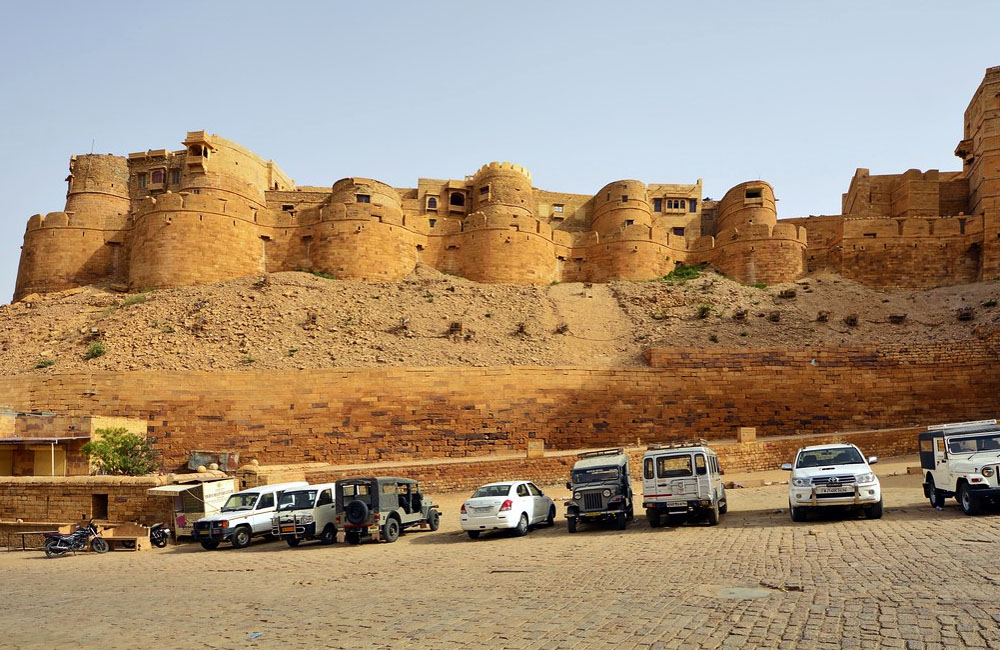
(602, 452)
(957, 427)
(674, 444)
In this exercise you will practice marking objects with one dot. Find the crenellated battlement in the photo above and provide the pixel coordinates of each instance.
(495, 167)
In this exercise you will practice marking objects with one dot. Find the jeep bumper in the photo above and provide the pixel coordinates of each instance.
(290, 529)
(211, 534)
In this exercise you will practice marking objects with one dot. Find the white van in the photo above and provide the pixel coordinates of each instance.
(307, 513)
(681, 482)
(245, 515)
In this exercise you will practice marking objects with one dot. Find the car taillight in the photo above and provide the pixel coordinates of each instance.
(507, 505)
(225, 524)
(463, 509)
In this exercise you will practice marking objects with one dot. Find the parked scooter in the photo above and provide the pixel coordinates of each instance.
(57, 544)
(158, 535)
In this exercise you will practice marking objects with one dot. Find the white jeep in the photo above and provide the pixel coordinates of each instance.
(962, 460)
(833, 475)
(244, 516)
(682, 482)
(306, 513)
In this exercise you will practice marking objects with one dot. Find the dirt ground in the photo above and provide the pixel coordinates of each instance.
(298, 320)
(918, 578)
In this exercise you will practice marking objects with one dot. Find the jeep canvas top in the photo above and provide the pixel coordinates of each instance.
(382, 507)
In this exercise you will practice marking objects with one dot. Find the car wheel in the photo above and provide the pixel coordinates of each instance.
(713, 514)
(874, 511)
(352, 537)
(724, 506)
(293, 541)
(970, 505)
(473, 534)
(571, 524)
(356, 512)
(434, 520)
(936, 497)
(621, 520)
(210, 544)
(798, 514)
(551, 519)
(653, 517)
(391, 530)
(522, 526)
(329, 535)
(241, 537)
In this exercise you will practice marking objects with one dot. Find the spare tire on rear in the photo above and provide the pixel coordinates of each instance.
(356, 512)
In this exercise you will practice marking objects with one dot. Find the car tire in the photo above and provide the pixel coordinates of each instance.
(653, 517)
(724, 506)
(968, 501)
(797, 513)
(352, 537)
(293, 541)
(621, 520)
(937, 497)
(241, 537)
(522, 525)
(434, 520)
(473, 534)
(874, 511)
(571, 524)
(329, 535)
(713, 514)
(390, 531)
(210, 544)
(551, 519)
(356, 512)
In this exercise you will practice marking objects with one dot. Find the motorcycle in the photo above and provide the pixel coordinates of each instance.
(158, 535)
(58, 544)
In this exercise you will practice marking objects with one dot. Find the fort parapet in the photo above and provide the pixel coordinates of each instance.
(214, 211)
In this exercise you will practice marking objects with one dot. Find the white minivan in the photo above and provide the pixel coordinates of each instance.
(307, 513)
(245, 515)
(682, 481)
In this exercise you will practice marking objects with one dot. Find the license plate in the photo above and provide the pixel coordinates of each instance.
(288, 529)
(836, 489)
(486, 509)
(677, 504)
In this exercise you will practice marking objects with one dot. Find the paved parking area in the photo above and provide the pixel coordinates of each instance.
(919, 578)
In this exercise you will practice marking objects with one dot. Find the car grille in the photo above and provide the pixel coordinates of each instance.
(202, 525)
(593, 501)
(845, 479)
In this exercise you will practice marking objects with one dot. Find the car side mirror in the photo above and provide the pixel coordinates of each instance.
(569, 486)
(786, 466)
(872, 460)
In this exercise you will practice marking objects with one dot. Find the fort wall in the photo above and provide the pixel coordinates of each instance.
(371, 415)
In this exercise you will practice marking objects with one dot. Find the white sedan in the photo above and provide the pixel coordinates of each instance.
(508, 505)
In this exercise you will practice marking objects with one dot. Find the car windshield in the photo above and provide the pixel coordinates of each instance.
(673, 466)
(297, 500)
(492, 491)
(827, 457)
(974, 444)
(595, 475)
(240, 501)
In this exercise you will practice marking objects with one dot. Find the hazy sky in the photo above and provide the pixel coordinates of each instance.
(581, 93)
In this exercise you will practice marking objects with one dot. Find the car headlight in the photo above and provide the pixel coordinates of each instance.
(578, 496)
(800, 482)
(988, 472)
(308, 519)
(606, 493)
(868, 477)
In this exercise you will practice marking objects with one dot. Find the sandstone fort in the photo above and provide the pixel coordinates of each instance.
(214, 211)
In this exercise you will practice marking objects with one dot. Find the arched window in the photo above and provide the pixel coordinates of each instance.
(682, 204)
(432, 203)
(457, 198)
(157, 176)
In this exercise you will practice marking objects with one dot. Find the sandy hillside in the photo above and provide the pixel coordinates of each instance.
(298, 320)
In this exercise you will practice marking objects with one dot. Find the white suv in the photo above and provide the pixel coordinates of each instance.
(245, 515)
(962, 460)
(833, 475)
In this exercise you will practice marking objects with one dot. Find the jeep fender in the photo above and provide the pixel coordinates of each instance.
(572, 511)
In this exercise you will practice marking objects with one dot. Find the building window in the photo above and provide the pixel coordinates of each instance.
(657, 205)
(754, 194)
(363, 198)
(624, 198)
(432, 203)
(485, 189)
(175, 177)
(457, 198)
(683, 206)
(195, 150)
(157, 176)
(196, 191)
(693, 205)
(558, 207)
(629, 222)
(679, 232)
(432, 222)
(287, 208)
(142, 181)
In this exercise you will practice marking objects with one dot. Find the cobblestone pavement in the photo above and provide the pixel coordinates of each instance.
(919, 578)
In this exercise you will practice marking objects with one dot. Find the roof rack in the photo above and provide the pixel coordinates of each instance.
(602, 452)
(972, 424)
(674, 444)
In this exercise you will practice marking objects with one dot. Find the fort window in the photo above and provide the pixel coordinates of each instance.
(657, 205)
(624, 198)
(692, 205)
(683, 205)
(287, 208)
(485, 189)
(679, 232)
(157, 176)
(753, 194)
(175, 177)
(142, 181)
(558, 207)
(196, 191)
(457, 198)
(431, 222)
(629, 222)
(363, 198)
(871, 235)
(432, 203)
(195, 150)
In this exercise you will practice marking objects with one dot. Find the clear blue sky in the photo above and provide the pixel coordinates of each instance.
(581, 93)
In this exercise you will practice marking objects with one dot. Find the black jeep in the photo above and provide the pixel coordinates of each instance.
(381, 508)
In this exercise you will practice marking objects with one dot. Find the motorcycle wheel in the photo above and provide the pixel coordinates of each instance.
(51, 550)
(160, 541)
(98, 545)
